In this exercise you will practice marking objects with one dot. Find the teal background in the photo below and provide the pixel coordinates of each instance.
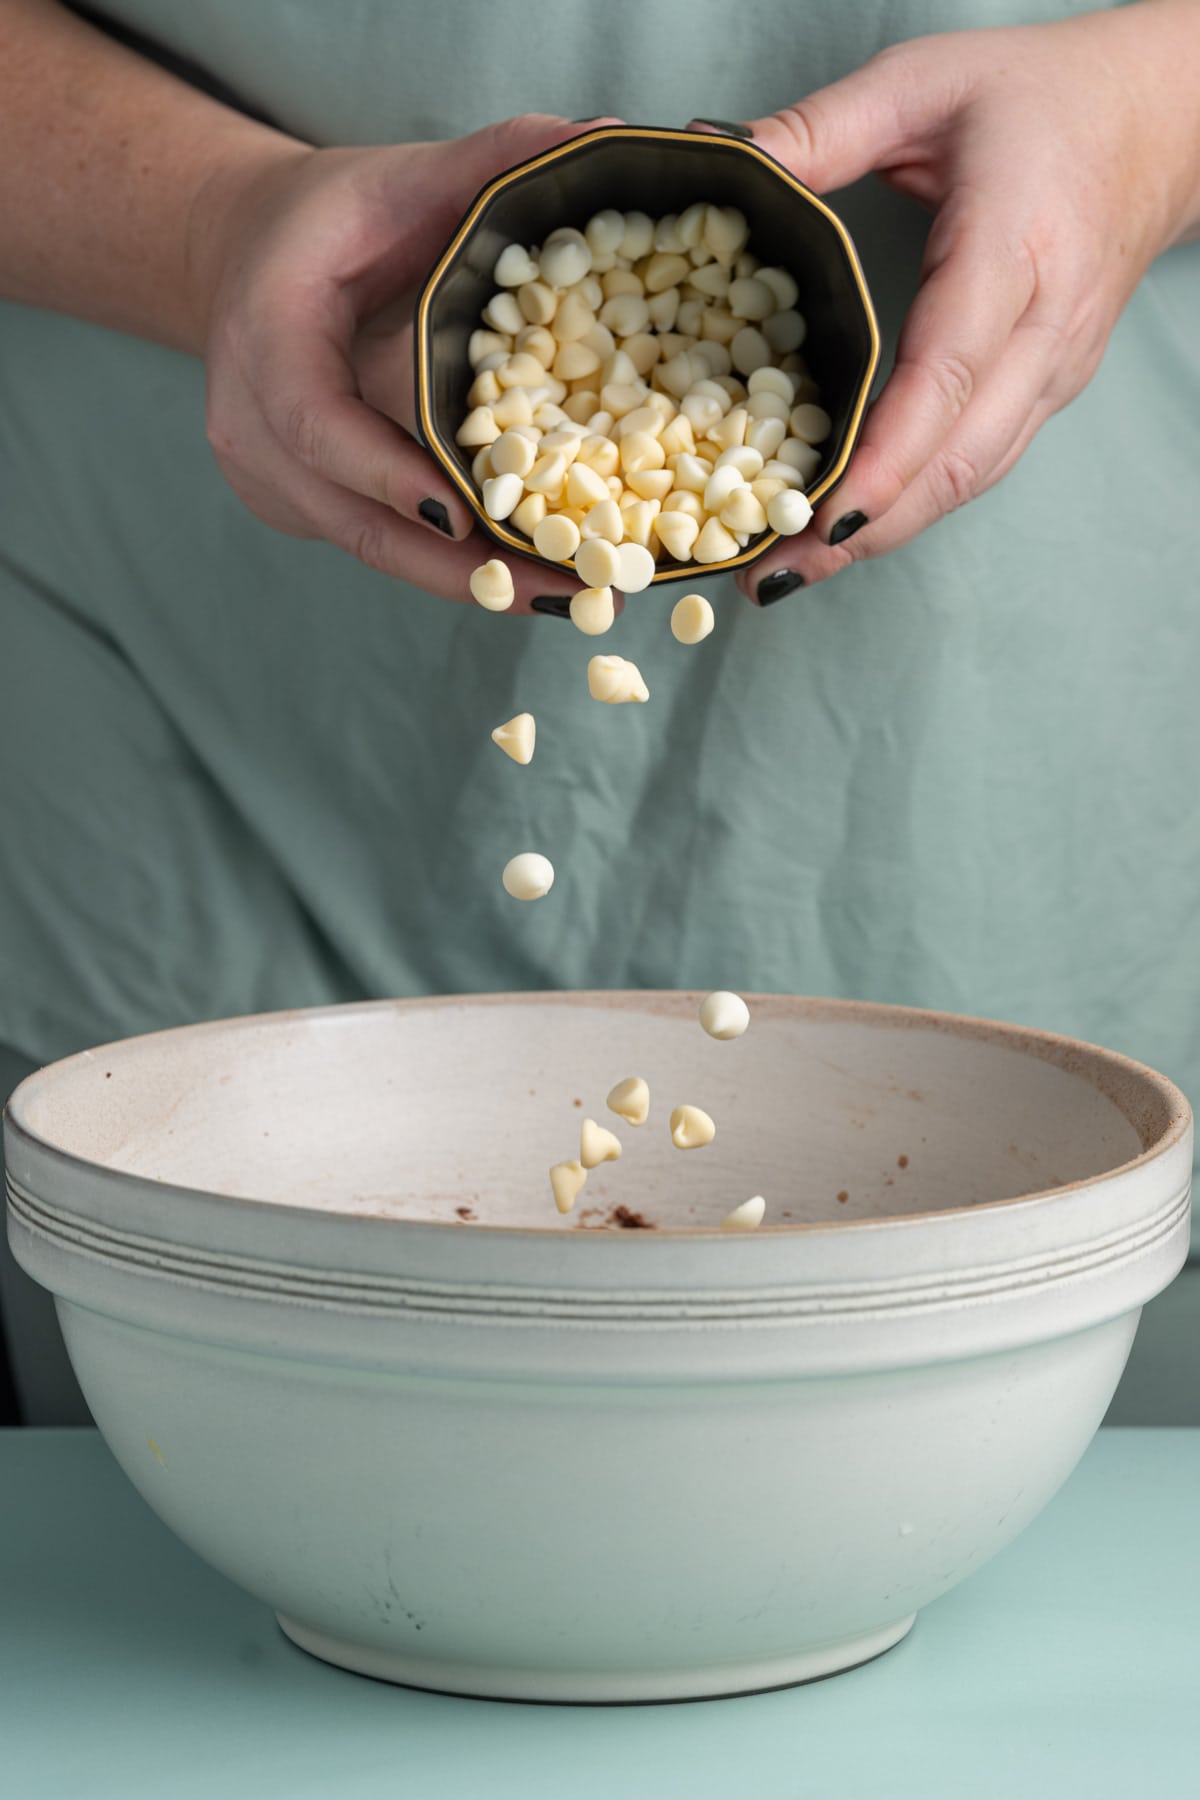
(242, 772)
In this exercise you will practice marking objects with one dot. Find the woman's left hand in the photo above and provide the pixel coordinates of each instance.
(1059, 161)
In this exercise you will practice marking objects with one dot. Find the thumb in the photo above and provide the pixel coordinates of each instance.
(868, 121)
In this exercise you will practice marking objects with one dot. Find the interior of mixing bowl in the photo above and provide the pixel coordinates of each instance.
(453, 1110)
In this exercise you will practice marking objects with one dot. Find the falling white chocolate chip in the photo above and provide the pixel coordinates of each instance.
(516, 737)
(592, 611)
(491, 585)
(528, 876)
(615, 681)
(597, 1144)
(746, 1217)
(630, 1100)
(724, 1015)
(692, 618)
(691, 1128)
(566, 1184)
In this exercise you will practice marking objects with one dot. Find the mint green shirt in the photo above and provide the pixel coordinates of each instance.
(242, 772)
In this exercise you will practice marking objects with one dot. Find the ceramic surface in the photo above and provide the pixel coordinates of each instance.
(316, 1293)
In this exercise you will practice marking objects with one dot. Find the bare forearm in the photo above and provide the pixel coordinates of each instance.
(112, 177)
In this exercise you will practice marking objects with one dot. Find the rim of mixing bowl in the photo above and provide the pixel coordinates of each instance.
(1070, 1055)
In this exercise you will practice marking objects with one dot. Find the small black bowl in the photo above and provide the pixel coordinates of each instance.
(648, 169)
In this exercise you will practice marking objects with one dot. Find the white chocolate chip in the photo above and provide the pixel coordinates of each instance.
(635, 568)
(789, 512)
(512, 454)
(615, 681)
(772, 381)
(750, 350)
(725, 230)
(479, 427)
(597, 1144)
(802, 457)
(785, 331)
(566, 1184)
(812, 424)
(529, 515)
(504, 314)
(676, 532)
(751, 299)
(566, 258)
(782, 286)
(746, 1217)
(692, 618)
(491, 585)
(482, 344)
(724, 1015)
(604, 521)
(691, 1128)
(556, 538)
(630, 1100)
(528, 876)
(714, 544)
(637, 240)
(596, 563)
(516, 737)
(514, 267)
(501, 494)
(743, 513)
(592, 611)
(604, 232)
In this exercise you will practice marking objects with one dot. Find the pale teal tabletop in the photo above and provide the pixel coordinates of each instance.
(1071, 1665)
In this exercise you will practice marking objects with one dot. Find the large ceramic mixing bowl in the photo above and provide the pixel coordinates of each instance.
(331, 1326)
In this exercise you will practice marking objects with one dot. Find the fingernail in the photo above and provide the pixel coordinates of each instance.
(733, 127)
(555, 606)
(776, 587)
(434, 513)
(591, 120)
(846, 527)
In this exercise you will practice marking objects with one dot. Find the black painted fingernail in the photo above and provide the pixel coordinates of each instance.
(555, 606)
(732, 126)
(846, 527)
(434, 513)
(776, 587)
(590, 120)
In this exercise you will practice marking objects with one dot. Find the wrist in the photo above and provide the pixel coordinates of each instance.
(230, 194)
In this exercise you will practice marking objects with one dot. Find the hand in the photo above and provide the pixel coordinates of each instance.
(1059, 160)
(310, 416)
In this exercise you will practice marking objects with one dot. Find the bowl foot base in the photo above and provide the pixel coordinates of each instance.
(586, 1687)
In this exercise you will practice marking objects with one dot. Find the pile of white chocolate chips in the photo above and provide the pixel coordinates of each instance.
(639, 396)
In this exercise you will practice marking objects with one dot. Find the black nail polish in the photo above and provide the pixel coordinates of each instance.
(555, 606)
(434, 513)
(846, 527)
(590, 120)
(732, 127)
(778, 586)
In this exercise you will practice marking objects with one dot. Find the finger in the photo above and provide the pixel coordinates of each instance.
(308, 398)
(305, 505)
(960, 324)
(870, 120)
(1009, 409)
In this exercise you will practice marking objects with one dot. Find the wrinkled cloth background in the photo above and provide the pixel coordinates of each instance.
(242, 772)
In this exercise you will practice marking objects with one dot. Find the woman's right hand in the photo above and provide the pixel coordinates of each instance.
(293, 261)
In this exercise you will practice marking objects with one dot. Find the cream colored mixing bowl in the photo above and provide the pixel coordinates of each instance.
(319, 1300)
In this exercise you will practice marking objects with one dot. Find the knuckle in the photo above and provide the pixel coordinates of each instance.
(366, 540)
(952, 377)
(958, 479)
(304, 431)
